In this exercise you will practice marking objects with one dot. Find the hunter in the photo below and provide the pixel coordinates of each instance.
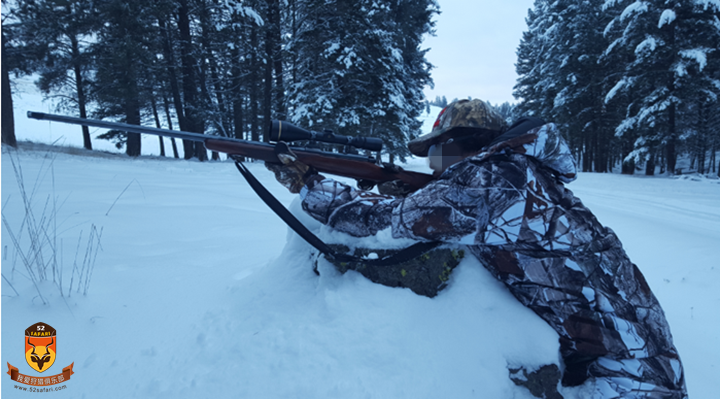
(500, 192)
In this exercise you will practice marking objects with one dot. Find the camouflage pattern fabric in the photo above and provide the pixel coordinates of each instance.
(291, 173)
(508, 206)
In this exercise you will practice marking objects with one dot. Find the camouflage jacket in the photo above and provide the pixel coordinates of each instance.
(509, 206)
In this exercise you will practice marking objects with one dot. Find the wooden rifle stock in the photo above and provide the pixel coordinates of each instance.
(353, 166)
(347, 165)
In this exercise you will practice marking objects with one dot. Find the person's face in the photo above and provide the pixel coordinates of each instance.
(442, 155)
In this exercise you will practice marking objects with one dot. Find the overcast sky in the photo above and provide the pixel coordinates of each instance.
(474, 48)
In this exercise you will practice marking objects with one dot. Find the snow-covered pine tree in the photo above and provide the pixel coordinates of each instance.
(701, 122)
(578, 106)
(670, 42)
(538, 64)
(399, 100)
(358, 68)
(506, 110)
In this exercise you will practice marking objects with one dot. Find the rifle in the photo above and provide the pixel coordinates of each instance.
(368, 170)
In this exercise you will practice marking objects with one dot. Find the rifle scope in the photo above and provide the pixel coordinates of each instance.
(280, 130)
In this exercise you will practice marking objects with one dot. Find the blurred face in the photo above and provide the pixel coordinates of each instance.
(443, 155)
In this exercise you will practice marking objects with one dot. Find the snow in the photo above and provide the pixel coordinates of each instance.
(609, 26)
(618, 86)
(348, 57)
(609, 4)
(625, 125)
(680, 70)
(332, 48)
(200, 291)
(666, 18)
(647, 45)
(637, 7)
(708, 4)
(698, 55)
(429, 118)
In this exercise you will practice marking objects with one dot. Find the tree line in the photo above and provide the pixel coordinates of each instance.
(633, 83)
(226, 67)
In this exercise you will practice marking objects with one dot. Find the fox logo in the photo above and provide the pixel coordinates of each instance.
(40, 346)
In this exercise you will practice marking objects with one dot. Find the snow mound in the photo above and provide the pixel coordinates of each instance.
(337, 335)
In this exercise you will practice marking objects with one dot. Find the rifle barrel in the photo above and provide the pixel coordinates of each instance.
(127, 127)
(227, 145)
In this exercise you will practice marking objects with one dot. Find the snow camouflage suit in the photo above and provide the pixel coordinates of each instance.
(509, 207)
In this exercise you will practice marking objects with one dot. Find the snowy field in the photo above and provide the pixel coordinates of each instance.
(198, 290)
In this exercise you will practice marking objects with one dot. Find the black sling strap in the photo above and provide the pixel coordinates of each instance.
(403, 255)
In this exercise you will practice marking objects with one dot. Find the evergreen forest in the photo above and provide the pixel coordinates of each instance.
(226, 67)
(634, 84)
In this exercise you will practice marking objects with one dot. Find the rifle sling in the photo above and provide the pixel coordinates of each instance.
(402, 256)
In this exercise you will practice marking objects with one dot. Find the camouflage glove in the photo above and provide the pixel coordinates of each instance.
(291, 173)
(395, 188)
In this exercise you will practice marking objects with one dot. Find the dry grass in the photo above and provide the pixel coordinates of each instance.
(37, 245)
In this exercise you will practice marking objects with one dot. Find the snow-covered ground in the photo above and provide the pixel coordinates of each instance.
(199, 290)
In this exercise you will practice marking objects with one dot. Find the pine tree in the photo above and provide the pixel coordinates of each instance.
(506, 110)
(536, 74)
(400, 96)
(578, 106)
(59, 32)
(359, 69)
(670, 42)
(123, 53)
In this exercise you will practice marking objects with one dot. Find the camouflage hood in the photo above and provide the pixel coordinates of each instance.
(544, 143)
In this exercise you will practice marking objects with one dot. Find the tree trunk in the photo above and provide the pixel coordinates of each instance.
(174, 87)
(276, 34)
(663, 165)
(8, 120)
(189, 81)
(79, 83)
(132, 115)
(712, 156)
(671, 142)
(132, 105)
(236, 81)
(627, 168)
(269, 59)
(650, 164)
(254, 134)
(169, 119)
(158, 125)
